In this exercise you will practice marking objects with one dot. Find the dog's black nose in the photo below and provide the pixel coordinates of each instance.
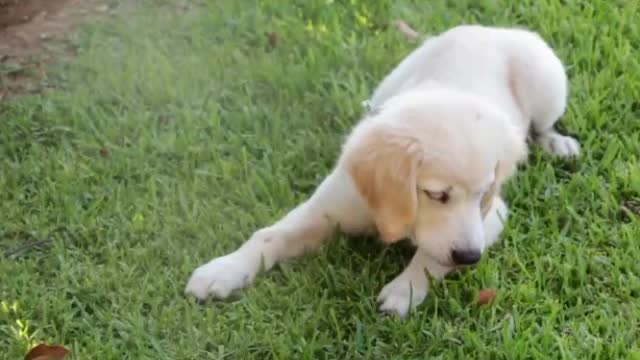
(466, 257)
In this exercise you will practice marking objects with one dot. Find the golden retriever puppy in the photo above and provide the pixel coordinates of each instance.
(446, 130)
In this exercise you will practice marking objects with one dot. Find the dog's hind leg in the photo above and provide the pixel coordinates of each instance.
(540, 86)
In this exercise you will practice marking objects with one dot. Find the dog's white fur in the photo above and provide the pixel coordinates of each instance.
(447, 128)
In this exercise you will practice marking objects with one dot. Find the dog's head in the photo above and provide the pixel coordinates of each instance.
(429, 165)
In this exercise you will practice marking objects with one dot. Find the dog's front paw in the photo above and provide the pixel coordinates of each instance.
(219, 277)
(560, 145)
(402, 295)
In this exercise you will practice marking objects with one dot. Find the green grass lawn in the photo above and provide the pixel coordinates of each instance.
(177, 131)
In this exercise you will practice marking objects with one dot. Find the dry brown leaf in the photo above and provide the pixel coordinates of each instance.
(273, 39)
(47, 352)
(104, 152)
(165, 119)
(486, 296)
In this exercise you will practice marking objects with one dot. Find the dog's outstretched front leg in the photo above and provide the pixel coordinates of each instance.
(335, 203)
(410, 288)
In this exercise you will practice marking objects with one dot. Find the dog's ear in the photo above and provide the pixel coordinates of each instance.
(383, 163)
(515, 152)
(487, 198)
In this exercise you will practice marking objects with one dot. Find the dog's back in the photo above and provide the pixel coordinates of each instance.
(512, 68)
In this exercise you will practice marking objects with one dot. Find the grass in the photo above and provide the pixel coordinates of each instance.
(177, 131)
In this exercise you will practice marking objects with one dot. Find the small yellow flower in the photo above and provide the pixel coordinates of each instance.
(362, 19)
(138, 219)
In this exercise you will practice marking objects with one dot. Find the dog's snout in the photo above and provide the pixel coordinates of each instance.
(466, 257)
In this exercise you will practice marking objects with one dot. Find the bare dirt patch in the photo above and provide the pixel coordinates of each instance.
(30, 37)
(16, 12)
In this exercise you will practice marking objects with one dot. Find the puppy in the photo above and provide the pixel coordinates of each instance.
(447, 128)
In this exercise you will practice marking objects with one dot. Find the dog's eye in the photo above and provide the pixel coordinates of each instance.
(440, 196)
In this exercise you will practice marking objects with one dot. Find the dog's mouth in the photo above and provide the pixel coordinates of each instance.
(449, 263)
(445, 263)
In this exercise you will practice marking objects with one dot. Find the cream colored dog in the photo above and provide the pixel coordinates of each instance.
(446, 129)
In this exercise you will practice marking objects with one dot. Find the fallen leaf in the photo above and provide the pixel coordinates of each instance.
(404, 28)
(165, 119)
(104, 152)
(273, 39)
(486, 296)
(47, 352)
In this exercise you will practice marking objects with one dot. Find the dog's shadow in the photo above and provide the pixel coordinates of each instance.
(361, 258)
(345, 268)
